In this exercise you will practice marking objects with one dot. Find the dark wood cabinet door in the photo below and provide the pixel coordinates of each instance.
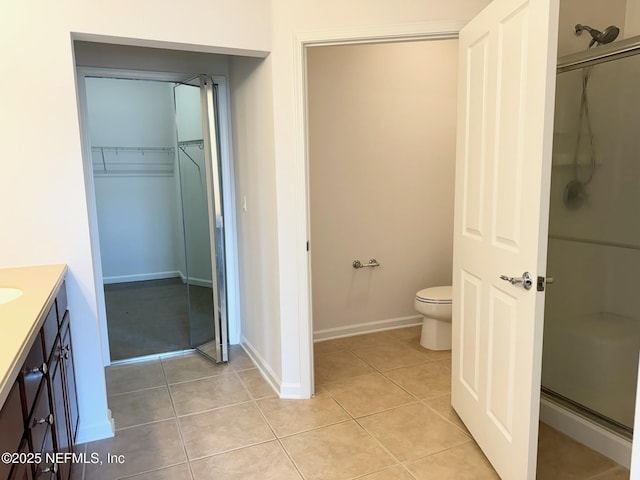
(11, 427)
(70, 380)
(58, 403)
(22, 471)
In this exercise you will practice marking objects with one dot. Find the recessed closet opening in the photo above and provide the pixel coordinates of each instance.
(161, 196)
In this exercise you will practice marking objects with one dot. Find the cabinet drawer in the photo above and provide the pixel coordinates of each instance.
(50, 331)
(40, 421)
(61, 302)
(11, 427)
(32, 373)
(46, 469)
(22, 471)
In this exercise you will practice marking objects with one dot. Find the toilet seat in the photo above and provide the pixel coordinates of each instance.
(435, 295)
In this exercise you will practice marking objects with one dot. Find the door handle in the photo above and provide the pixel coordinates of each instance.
(526, 280)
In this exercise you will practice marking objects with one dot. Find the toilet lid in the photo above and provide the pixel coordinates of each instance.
(439, 295)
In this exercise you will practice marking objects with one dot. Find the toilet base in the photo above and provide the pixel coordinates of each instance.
(436, 334)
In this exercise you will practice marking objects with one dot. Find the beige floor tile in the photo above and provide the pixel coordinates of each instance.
(144, 406)
(412, 431)
(618, 473)
(390, 356)
(192, 366)
(144, 448)
(368, 394)
(406, 333)
(442, 405)
(238, 358)
(561, 457)
(223, 429)
(177, 472)
(293, 416)
(325, 346)
(396, 472)
(266, 461)
(431, 355)
(338, 365)
(423, 380)
(336, 452)
(376, 339)
(208, 393)
(256, 384)
(129, 377)
(464, 462)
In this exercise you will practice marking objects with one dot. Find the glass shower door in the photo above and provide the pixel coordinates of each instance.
(201, 196)
(592, 320)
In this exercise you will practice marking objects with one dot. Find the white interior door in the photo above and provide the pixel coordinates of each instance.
(505, 129)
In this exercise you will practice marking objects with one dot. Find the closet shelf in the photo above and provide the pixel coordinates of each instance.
(120, 160)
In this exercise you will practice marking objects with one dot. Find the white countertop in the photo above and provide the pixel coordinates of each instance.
(21, 319)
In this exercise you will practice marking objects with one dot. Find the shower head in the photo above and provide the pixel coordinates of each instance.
(597, 37)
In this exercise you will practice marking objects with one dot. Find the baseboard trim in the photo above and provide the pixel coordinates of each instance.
(140, 277)
(96, 431)
(368, 327)
(268, 374)
(200, 282)
(608, 443)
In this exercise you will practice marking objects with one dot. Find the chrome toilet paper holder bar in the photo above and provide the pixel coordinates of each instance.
(372, 263)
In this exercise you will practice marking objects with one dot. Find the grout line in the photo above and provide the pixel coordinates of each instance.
(207, 377)
(122, 429)
(233, 449)
(133, 475)
(293, 462)
(135, 391)
(378, 442)
(175, 416)
(466, 432)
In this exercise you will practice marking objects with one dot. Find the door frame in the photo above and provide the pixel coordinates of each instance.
(228, 176)
(438, 30)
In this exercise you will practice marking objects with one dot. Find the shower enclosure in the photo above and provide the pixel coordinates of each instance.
(592, 312)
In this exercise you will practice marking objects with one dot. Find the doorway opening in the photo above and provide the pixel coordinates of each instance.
(158, 174)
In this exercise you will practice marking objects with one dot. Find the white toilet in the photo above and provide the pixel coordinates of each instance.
(435, 304)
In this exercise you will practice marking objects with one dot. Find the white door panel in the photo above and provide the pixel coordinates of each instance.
(505, 117)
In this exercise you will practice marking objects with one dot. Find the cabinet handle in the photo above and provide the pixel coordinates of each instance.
(48, 419)
(52, 469)
(43, 369)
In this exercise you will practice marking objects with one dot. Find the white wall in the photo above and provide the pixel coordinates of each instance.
(290, 19)
(252, 115)
(48, 219)
(138, 221)
(382, 126)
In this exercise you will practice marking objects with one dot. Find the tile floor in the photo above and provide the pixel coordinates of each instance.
(381, 412)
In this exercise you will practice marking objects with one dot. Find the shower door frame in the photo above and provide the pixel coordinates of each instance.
(228, 188)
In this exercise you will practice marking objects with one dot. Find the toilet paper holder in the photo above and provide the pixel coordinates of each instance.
(372, 263)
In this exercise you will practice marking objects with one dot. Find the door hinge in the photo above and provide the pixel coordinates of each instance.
(307, 245)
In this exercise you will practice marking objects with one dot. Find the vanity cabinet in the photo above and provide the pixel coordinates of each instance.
(39, 419)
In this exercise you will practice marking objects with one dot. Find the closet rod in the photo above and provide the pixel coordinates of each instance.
(132, 149)
(187, 143)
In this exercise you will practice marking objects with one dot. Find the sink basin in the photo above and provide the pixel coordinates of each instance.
(8, 294)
